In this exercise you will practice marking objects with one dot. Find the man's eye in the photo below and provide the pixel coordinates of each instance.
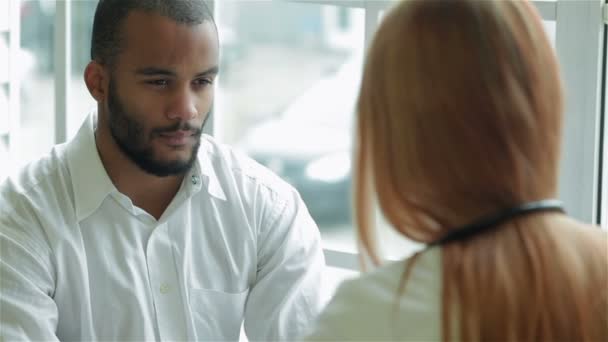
(158, 82)
(202, 81)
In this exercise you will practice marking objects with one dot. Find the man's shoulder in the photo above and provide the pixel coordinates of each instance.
(33, 202)
(227, 161)
(38, 181)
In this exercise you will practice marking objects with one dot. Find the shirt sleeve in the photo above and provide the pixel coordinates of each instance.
(287, 294)
(27, 309)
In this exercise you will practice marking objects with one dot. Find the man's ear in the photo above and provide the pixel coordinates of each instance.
(96, 78)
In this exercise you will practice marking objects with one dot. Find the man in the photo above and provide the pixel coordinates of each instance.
(142, 229)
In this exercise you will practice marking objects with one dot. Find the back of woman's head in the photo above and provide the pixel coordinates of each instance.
(460, 110)
(459, 116)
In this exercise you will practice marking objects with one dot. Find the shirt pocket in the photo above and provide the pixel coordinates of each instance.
(217, 315)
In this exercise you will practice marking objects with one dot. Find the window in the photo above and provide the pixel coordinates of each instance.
(81, 29)
(308, 140)
(37, 80)
(285, 95)
(4, 91)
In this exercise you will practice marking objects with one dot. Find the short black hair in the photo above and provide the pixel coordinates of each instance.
(106, 42)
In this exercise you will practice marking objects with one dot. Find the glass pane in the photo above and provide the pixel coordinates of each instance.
(550, 30)
(81, 101)
(37, 79)
(4, 125)
(286, 96)
(4, 57)
(4, 15)
(4, 85)
(4, 88)
(4, 119)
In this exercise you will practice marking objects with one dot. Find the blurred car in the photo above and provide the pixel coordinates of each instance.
(309, 143)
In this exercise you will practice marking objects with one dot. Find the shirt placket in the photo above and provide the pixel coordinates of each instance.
(164, 281)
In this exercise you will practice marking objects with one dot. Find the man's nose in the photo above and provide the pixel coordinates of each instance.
(183, 107)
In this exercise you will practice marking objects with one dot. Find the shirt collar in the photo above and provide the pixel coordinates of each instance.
(205, 167)
(92, 184)
(90, 180)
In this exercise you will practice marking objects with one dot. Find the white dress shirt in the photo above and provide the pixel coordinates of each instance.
(373, 308)
(78, 261)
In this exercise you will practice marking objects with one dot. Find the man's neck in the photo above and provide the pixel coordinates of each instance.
(148, 192)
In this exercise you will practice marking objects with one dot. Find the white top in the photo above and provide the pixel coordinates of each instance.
(371, 308)
(80, 262)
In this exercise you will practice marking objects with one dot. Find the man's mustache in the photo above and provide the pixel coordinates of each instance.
(180, 126)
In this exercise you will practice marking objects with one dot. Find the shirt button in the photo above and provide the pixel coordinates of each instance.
(164, 288)
(195, 179)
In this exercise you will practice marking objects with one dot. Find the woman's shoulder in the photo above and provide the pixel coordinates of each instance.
(374, 307)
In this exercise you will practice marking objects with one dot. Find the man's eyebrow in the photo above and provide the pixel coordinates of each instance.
(154, 71)
(209, 72)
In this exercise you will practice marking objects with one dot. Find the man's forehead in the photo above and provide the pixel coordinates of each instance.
(152, 38)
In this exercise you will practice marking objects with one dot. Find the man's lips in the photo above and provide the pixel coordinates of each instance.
(177, 138)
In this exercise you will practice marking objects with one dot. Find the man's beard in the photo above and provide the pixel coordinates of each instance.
(130, 137)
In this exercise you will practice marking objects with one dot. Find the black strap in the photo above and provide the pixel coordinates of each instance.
(493, 221)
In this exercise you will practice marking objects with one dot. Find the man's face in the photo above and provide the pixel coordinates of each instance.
(161, 90)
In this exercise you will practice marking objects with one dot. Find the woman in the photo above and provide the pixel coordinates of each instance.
(459, 129)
